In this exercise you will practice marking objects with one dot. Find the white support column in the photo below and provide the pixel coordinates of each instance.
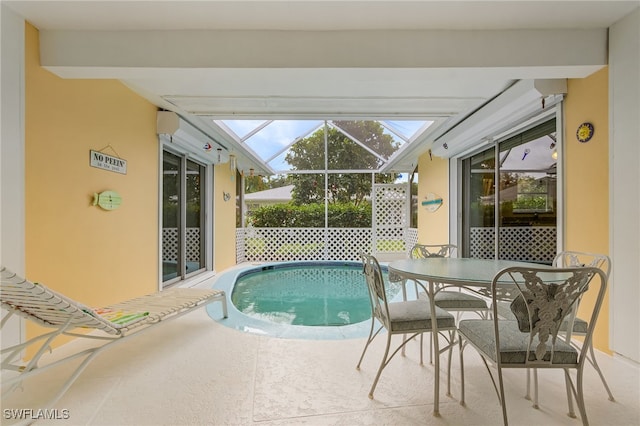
(624, 185)
(12, 162)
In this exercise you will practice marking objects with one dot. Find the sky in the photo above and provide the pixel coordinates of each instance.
(274, 138)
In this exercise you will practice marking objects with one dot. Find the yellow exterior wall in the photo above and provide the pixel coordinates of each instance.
(587, 180)
(92, 255)
(586, 172)
(224, 241)
(433, 176)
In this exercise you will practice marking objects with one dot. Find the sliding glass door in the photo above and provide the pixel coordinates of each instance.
(183, 224)
(518, 220)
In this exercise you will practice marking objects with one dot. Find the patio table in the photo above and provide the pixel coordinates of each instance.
(463, 272)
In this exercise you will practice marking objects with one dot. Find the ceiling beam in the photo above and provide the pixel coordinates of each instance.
(579, 50)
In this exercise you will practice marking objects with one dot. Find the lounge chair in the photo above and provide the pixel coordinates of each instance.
(116, 322)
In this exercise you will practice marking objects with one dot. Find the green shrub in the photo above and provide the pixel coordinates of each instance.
(343, 215)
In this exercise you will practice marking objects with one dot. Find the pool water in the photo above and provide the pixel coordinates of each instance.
(305, 294)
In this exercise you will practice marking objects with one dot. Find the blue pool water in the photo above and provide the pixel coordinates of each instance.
(304, 295)
(308, 300)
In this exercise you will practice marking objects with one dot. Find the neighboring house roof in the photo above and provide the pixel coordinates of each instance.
(282, 194)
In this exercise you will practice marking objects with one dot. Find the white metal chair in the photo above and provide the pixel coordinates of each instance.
(454, 301)
(571, 259)
(412, 317)
(545, 298)
(457, 301)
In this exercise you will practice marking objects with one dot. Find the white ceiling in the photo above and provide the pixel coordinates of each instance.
(320, 15)
(323, 59)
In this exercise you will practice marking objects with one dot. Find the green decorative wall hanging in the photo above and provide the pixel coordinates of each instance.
(107, 200)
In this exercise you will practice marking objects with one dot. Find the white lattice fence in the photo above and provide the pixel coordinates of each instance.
(391, 205)
(347, 243)
(525, 243)
(170, 244)
(278, 244)
(391, 217)
(240, 245)
(390, 240)
(411, 237)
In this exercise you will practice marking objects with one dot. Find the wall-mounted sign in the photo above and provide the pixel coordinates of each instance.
(107, 162)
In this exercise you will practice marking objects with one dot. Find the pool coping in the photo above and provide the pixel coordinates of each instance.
(239, 321)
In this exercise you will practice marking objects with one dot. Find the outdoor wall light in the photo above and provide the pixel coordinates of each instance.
(554, 152)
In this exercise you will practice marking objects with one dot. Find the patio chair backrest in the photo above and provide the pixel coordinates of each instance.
(423, 251)
(376, 286)
(570, 258)
(45, 306)
(545, 297)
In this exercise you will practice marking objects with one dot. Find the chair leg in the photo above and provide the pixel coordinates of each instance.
(571, 412)
(580, 397)
(461, 348)
(535, 387)
(592, 360)
(383, 364)
(577, 393)
(404, 339)
(404, 297)
(503, 402)
(452, 336)
(369, 340)
(594, 363)
(431, 351)
(436, 384)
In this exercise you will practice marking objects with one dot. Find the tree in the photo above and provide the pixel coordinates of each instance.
(343, 154)
(255, 184)
(261, 183)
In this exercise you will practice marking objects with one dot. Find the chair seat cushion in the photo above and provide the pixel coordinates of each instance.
(415, 315)
(452, 300)
(504, 311)
(513, 343)
(579, 325)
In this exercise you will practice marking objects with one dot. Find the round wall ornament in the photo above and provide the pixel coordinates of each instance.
(432, 202)
(584, 132)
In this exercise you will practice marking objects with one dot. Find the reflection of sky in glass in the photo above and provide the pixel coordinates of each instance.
(407, 128)
(242, 127)
(279, 164)
(538, 156)
(269, 142)
(279, 134)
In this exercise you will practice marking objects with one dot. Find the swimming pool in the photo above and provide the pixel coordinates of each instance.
(307, 300)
